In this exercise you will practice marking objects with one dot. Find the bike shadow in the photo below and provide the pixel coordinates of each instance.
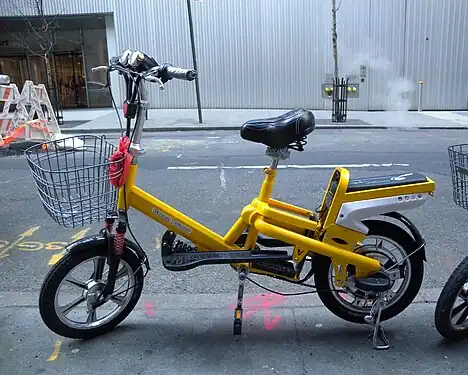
(297, 340)
(200, 341)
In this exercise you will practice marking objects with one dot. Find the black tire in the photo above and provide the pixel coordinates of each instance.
(60, 270)
(446, 301)
(394, 233)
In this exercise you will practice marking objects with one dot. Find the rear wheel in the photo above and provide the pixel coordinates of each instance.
(389, 244)
(76, 317)
(451, 311)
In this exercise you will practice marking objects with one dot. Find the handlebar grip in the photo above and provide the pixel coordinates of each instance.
(179, 73)
(147, 63)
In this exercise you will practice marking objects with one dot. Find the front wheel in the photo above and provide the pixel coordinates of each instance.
(390, 244)
(451, 311)
(77, 317)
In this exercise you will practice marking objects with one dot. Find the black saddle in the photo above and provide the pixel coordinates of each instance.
(280, 132)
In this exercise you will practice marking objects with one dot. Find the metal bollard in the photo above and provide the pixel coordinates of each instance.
(420, 91)
(4, 79)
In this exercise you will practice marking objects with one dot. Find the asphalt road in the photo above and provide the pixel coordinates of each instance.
(210, 176)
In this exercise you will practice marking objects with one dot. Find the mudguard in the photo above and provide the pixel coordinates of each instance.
(418, 239)
(94, 241)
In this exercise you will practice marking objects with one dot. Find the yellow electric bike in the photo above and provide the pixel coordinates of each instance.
(367, 259)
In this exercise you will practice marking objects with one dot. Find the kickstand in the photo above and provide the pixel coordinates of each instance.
(238, 312)
(378, 333)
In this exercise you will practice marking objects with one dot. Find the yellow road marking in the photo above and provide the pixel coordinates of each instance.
(56, 351)
(3, 244)
(28, 233)
(56, 257)
(30, 246)
(55, 246)
(80, 234)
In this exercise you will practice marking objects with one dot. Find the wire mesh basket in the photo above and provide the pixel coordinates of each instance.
(458, 156)
(72, 177)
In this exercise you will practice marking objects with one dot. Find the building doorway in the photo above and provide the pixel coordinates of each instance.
(71, 80)
(80, 45)
(67, 71)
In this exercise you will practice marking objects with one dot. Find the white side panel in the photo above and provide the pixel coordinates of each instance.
(352, 214)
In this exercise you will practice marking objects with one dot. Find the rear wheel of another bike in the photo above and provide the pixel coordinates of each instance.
(451, 313)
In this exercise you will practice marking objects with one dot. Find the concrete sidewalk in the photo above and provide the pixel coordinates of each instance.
(194, 336)
(106, 120)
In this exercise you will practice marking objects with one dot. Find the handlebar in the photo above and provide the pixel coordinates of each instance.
(137, 66)
(179, 73)
(140, 64)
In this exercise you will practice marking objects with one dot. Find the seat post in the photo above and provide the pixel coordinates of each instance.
(277, 155)
(270, 172)
(274, 164)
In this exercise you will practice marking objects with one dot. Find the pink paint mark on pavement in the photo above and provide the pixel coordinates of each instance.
(262, 302)
(149, 312)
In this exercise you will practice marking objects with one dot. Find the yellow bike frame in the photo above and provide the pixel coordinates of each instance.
(275, 219)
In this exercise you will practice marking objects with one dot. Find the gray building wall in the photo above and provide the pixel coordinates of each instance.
(276, 54)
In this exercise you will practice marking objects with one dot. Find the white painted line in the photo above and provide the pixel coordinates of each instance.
(290, 166)
(14, 179)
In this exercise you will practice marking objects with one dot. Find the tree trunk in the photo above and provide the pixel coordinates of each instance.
(334, 38)
(48, 72)
(50, 86)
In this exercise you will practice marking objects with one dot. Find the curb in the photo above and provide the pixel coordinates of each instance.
(443, 127)
(17, 148)
(205, 128)
(161, 129)
(205, 301)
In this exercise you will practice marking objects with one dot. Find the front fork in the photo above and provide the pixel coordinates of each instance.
(116, 243)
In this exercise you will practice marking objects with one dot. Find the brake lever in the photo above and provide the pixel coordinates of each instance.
(98, 68)
(151, 76)
(154, 79)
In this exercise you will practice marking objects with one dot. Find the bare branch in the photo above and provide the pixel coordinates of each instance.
(16, 7)
(68, 40)
(25, 45)
(44, 33)
(338, 7)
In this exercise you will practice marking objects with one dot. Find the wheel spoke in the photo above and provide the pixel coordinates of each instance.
(457, 310)
(122, 272)
(119, 300)
(463, 293)
(99, 265)
(92, 316)
(76, 282)
(67, 308)
(463, 316)
(360, 302)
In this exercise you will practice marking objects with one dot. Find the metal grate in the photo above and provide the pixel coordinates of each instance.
(458, 156)
(340, 100)
(73, 180)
